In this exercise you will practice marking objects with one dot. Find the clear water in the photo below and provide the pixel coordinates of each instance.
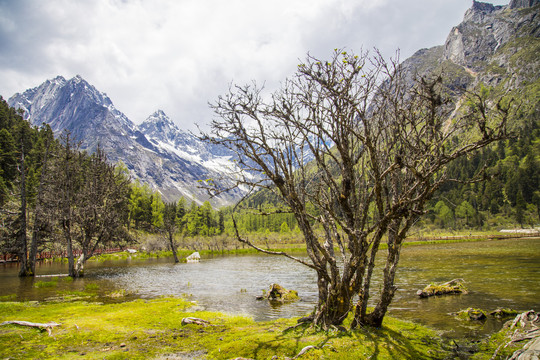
(501, 273)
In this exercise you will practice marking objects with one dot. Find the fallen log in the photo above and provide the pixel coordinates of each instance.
(450, 287)
(42, 326)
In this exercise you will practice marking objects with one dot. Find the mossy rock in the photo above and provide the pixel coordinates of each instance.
(280, 294)
(503, 313)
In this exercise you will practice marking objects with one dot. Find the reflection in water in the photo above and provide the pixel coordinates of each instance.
(504, 273)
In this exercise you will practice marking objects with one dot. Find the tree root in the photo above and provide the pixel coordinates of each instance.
(526, 328)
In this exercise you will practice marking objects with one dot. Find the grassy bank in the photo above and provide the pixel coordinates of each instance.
(298, 247)
(145, 329)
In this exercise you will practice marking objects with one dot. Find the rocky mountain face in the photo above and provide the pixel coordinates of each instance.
(155, 152)
(492, 44)
(496, 45)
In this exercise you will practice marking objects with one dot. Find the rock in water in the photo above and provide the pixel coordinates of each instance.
(279, 293)
(195, 257)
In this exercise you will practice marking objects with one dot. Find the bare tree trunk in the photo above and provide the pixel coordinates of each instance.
(395, 239)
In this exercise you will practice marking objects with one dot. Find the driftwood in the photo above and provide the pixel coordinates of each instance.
(47, 326)
(195, 321)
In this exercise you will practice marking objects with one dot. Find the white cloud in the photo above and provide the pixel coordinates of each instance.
(179, 54)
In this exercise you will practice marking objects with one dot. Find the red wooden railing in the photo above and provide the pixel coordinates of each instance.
(58, 254)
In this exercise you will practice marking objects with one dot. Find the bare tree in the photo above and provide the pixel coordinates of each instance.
(378, 147)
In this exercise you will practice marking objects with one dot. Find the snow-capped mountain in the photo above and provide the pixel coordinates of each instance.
(157, 152)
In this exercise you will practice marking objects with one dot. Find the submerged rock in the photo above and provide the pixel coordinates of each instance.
(451, 287)
(471, 314)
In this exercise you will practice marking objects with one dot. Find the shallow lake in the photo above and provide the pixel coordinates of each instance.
(498, 273)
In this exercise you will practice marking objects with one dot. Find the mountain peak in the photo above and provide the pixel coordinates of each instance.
(479, 10)
(58, 80)
(78, 78)
(159, 126)
(157, 152)
(160, 116)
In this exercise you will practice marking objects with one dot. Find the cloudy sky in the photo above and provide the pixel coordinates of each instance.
(177, 55)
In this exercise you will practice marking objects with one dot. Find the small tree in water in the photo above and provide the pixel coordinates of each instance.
(377, 147)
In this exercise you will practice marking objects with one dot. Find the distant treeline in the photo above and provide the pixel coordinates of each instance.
(55, 197)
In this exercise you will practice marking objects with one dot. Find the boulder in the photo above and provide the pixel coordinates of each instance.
(278, 293)
(195, 257)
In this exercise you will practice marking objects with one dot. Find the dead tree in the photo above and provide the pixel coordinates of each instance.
(355, 152)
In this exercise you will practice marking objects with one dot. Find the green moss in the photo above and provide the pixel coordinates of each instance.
(10, 297)
(147, 329)
(91, 287)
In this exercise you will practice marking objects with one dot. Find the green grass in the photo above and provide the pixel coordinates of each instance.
(147, 329)
(434, 239)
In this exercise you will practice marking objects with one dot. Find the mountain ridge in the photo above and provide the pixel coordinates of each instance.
(487, 46)
(150, 150)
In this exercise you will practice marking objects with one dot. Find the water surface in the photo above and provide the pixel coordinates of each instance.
(499, 273)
